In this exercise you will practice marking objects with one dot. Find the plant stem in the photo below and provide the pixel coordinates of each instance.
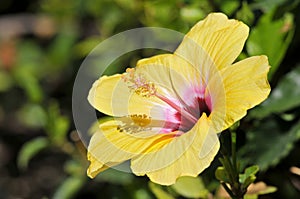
(233, 152)
(228, 190)
(231, 166)
(226, 162)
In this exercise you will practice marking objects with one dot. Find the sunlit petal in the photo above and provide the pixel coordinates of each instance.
(111, 96)
(187, 155)
(222, 39)
(95, 166)
(246, 85)
(116, 142)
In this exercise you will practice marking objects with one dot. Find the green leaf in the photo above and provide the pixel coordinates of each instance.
(68, 188)
(60, 51)
(161, 13)
(267, 5)
(251, 196)
(142, 193)
(245, 14)
(271, 38)
(159, 192)
(83, 48)
(283, 98)
(222, 175)
(190, 187)
(248, 177)
(191, 14)
(29, 58)
(30, 149)
(28, 81)
(250, 171)
(57, 124)
(249, 180)
(33, 115)
(267, 145)
(129, 5)
(228, 6)
(74, 168)
(227, 166)
(31, 62)
(114, 176)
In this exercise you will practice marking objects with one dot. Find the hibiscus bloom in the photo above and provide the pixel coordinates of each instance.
(169, 109)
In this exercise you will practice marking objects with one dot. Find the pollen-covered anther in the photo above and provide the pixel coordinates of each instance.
(134, 123)
(141, 120)
(120, 129)
(137, 83)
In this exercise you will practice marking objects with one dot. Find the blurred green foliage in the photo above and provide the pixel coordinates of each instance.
(42, 49)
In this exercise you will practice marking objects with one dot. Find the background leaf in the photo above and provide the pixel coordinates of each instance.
(57, 125)
(159, 192)
(68, 188)
(222, 175)
(269, 144)
(268, 5)
(115, 177)
(33, 115)
(190, 187)
(272, 38)
(249, 171)
(283, 98)
(30, 149)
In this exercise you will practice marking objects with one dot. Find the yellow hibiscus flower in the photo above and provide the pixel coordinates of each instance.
(169, 109)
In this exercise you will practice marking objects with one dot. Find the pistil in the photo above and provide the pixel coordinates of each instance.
(141, 86)
(181, 110)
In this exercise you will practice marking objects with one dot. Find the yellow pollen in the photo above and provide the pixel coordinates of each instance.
(140, 120)
(134, 123)
(138, 83)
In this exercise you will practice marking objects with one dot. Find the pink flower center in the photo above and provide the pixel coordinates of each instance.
(182, 113)
(186, 113)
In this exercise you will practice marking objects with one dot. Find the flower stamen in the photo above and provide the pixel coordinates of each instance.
(141, 120)
(138, 83)
(134, 123)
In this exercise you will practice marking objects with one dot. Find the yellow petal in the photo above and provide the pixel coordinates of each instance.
(187, 155)
(95, 166)
(177, 78)
(217, 36)
(102, 92)
(112, 145)
(167, 69)
(110, 95)
(246, 86)
(172, 74)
